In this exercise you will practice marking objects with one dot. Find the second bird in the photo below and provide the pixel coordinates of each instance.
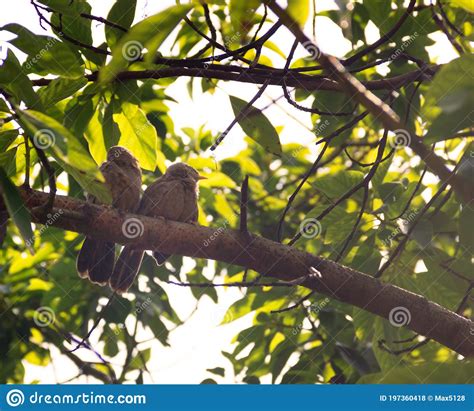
(123, 178)
(172, 196)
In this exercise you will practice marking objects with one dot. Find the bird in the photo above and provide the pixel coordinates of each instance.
(173, 196)
(123, 178)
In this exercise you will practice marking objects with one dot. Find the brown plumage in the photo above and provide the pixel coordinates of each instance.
(172, 196)
(123, 177)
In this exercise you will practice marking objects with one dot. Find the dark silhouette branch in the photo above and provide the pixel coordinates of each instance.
(244, 199)
(276, 77)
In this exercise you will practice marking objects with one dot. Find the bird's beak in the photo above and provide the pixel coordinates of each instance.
(202, 178)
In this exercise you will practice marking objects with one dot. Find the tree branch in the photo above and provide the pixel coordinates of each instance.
(270, 259)
(276, 77)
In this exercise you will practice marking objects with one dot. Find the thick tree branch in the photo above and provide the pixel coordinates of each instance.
(274, 77)
(268, 258)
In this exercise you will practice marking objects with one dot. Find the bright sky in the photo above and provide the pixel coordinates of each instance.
(197, 345)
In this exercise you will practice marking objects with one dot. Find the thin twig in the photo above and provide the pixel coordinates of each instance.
(402, 243)
(296, 305)
(95, 325)
(385, 38)
(244, 205)
(241, 115)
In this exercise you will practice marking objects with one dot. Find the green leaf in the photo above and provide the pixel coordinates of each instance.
(465, 4)
(208, 381)
(17, 82)
(299, 10)
(3, 106)
(367, 259)
(78, 114)
(16, 208)
(280, 357)
(239, 309)
(64, 6)
(423, 233)
(241, 13)
(8, 161)
(59, 89)
(381, 173)
(46, 53)
(218, 371)
(378, 11)
(6, 138)
(75, 26)
(121, 13)
(251, 379)
(256, 125)
(158, 328)
(111, 348)
(143, 35)
(67, 150)
(391, 192)
(335, 185)
(111, 131)
(273, 47)
(140, 360)
(450, 99)
(138, 135)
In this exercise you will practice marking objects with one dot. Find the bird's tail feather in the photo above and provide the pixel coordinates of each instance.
(160, 258)
(96, 260)
(126, 269)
